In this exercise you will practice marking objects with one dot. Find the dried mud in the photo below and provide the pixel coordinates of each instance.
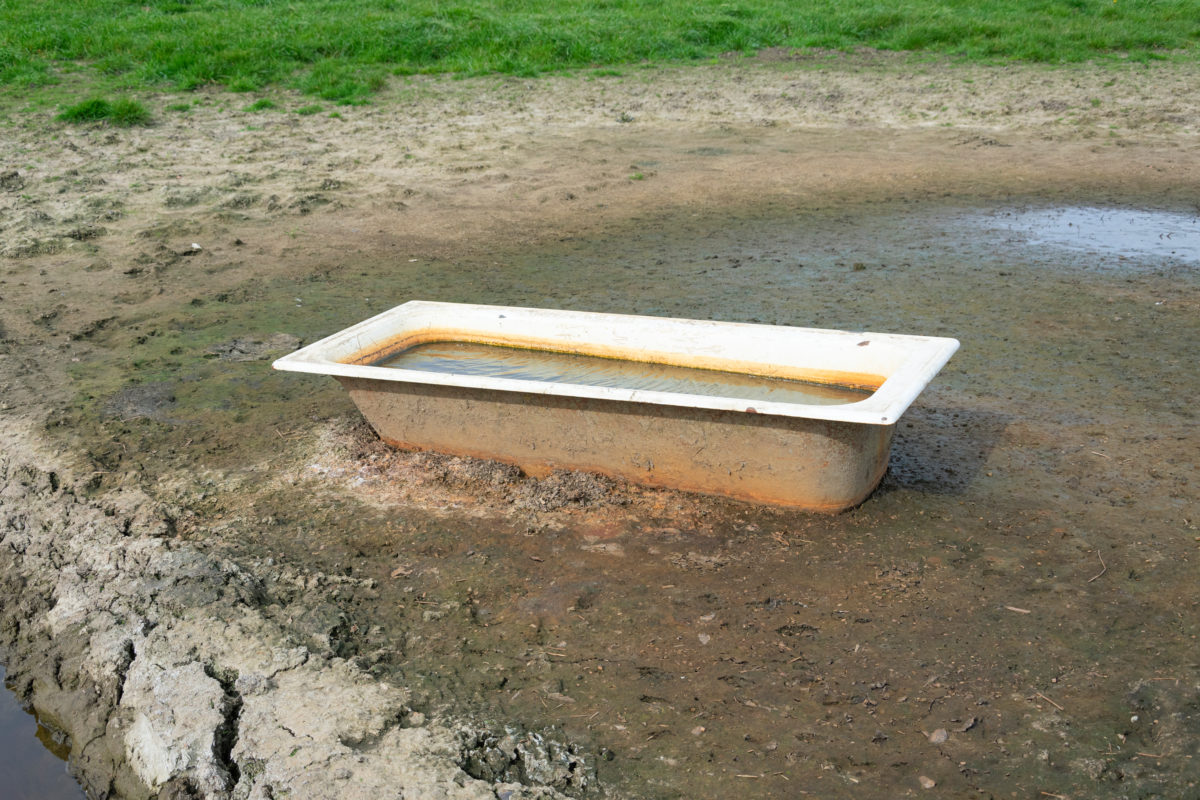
(219, 584)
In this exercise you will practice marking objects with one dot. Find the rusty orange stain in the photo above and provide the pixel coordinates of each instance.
(382, 351)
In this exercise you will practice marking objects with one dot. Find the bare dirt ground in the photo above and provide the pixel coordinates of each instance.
(219, 584)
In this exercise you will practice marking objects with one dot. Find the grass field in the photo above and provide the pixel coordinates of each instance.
(343, 50)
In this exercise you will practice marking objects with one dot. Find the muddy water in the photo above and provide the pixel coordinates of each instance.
(32, 757)
(1012, 613)
(491, 361)
(1033, 538)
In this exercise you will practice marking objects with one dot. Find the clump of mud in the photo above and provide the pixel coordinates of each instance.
(529, 759)
(566, 488)
(468, 473)
(153, 400)
(11, 181)
(351, 451)
(254, 349)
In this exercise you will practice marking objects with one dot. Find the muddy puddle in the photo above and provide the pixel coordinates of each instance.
(32, 756)
(1012, 613)
(1112, 236)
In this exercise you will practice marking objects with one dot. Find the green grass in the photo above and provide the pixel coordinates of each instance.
(122, 111)
(263, 104)
(343, 50)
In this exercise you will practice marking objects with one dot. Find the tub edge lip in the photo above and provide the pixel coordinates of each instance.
(926, 357)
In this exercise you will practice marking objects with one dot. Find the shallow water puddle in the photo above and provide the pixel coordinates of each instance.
(31, 756)
(898, 266)
(1107, 232)
(739, 643)
(492, 361)
(794, 653)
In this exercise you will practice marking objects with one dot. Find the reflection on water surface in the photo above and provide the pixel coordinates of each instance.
(1124, 233)
(31, 756)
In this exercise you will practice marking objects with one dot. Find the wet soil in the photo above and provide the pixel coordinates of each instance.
(1011, 613)
(699, 641)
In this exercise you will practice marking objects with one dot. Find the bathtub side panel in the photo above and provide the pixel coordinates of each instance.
(814, 464)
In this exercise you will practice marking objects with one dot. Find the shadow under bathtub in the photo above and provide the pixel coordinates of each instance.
(942, 449)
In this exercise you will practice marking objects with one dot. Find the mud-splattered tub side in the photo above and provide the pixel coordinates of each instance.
(742, 443)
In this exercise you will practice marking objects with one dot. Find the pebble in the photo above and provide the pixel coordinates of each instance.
(939, 736)
(705, 638)
(926, 783)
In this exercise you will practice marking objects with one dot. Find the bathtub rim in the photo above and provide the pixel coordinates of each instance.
(921, 357)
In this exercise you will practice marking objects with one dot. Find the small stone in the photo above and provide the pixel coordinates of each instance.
(926, 783)
(704, 638)
(939, 736)
(698, 730)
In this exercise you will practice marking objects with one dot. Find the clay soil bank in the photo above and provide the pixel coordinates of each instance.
(219, 585)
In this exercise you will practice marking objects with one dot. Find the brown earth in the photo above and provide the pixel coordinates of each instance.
(1012, 615)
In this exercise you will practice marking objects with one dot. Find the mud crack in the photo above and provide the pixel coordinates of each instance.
(225, 737)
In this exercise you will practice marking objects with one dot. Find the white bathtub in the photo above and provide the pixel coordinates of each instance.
(816, 456)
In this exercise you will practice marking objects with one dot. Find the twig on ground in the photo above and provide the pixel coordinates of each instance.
(1104, 568)
(1051, 702)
